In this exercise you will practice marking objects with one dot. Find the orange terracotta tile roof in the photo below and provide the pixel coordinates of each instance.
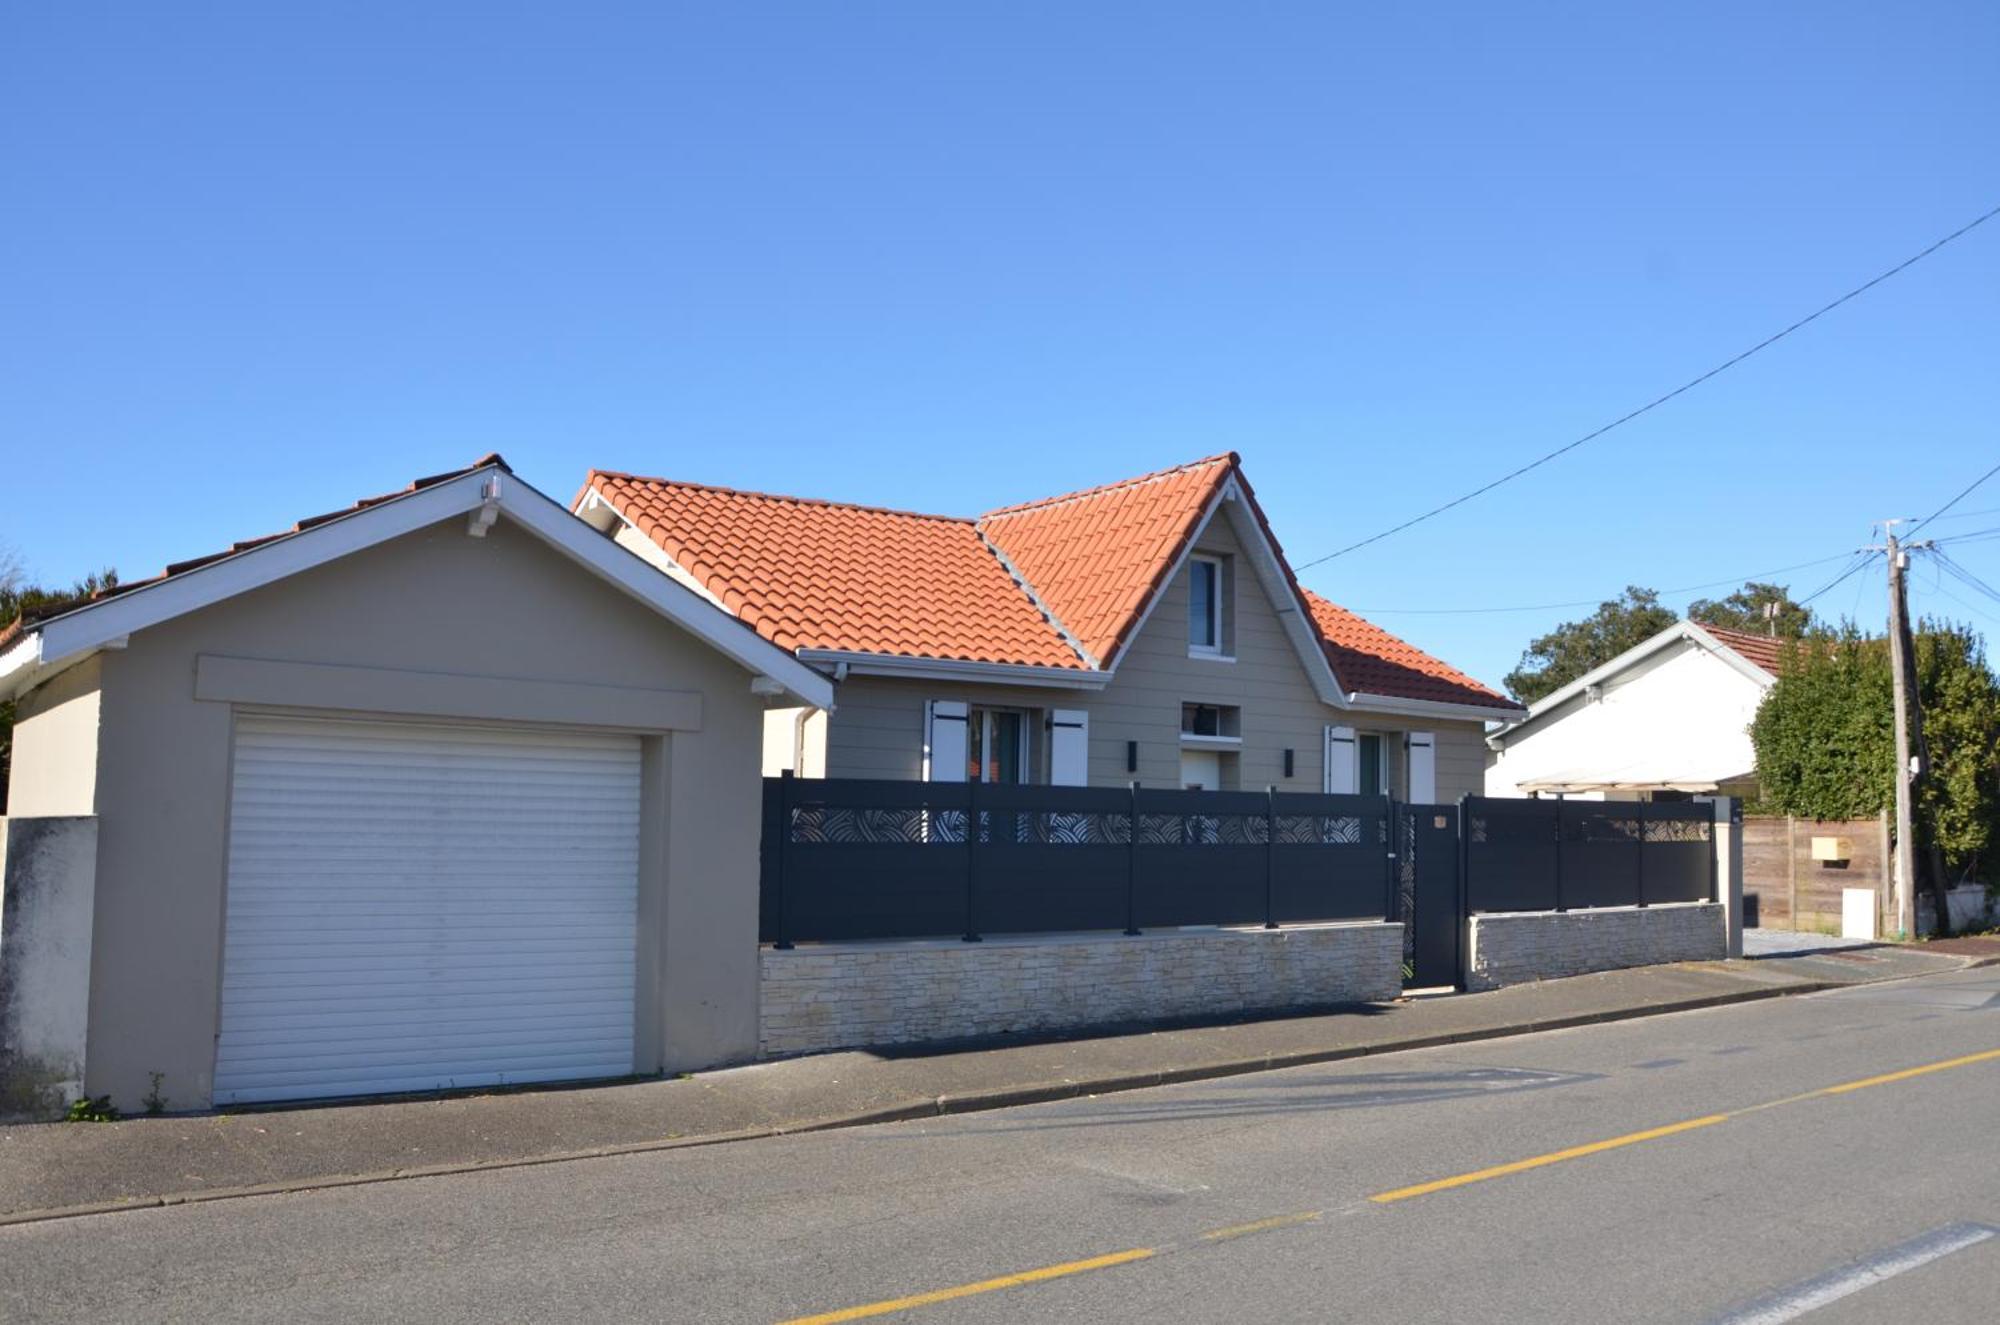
(1369, 659)
(808, 574)
(1061, 582)
(1759, 650)
(1097, 557)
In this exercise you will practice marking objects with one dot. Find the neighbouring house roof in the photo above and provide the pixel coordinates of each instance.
(1761, 650)
(35, 647)
(1059, 583)
(1373, 661)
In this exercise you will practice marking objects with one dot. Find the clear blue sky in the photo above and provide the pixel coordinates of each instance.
(257, 262)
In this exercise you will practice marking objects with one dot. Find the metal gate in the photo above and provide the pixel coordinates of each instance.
(1428, 899)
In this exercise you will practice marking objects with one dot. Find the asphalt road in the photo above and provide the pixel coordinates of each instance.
(1440, 1185)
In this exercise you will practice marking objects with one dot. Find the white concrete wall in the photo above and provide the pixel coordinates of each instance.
(1684, 705)
(55, 745)
(847, 995)
(1516, 947)
(48, 883)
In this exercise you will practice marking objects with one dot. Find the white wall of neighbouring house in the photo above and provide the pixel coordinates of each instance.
(1681, 714)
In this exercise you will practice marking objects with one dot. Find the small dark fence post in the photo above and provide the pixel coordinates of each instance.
(1389, 908)
(972, 862)
(1462, 920)
(1559, 854)
(784, 934)
(1132, 866)
(1270, 857)
(1639, 881)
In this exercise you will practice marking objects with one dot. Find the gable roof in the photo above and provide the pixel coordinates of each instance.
(1373, 661)
(1061, 585)
(808, 574)
(33, 650)
(1754, 657)
(1098, 557)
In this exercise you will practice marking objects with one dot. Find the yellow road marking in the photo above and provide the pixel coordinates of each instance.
(1260, 1226)
(1380, 1198)
(1042, 1275)
(1554, 1157)
(1909, 1072)
(1672, 1129)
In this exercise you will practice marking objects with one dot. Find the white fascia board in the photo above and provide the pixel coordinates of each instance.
(951, 669)
(102, 624)
(1271, 578)
(20, 664)
(567, 534)
(1363, 702)
(1643, 649)
(96, 624)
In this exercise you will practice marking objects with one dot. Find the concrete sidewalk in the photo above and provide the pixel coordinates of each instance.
(52, 1170)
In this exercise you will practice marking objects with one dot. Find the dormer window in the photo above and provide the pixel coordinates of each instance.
(1204, 605)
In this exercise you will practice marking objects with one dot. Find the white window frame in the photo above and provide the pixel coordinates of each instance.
(1382, 740)
(983, 715)
(1217, 596)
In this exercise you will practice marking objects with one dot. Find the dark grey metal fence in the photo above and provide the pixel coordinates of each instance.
(1557, 855)
(856, 859)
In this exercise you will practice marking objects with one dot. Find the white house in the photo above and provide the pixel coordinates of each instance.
(1663, 720)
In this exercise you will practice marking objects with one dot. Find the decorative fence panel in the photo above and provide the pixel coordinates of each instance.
(1552, 855)
(854, 859)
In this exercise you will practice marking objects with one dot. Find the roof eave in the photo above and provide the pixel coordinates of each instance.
(862, 663)
(69, 637)
(1428, 708)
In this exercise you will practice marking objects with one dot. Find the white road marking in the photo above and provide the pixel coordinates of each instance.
(1811, 1295)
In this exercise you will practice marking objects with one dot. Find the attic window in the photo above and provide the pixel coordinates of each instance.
(1206, 583)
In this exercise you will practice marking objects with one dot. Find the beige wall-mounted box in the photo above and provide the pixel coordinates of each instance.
(1832, 848)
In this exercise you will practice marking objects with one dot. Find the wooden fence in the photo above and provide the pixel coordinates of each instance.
(1795, 891)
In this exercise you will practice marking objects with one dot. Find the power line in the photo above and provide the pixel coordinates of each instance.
(1963, 492)
(1588, 602)
(1964, 576)
(1658, 401)
(1861, 563)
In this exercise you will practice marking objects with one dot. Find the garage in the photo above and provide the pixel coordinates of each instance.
(446, 789)
(414, 906)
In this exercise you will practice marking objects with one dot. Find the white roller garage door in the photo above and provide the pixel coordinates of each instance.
(416, 906)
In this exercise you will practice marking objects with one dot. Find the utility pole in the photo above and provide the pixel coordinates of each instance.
(1909, 740)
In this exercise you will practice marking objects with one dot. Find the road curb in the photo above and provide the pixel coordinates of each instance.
(939, 1106)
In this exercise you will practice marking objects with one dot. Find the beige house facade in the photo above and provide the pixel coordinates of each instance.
(1176, 648)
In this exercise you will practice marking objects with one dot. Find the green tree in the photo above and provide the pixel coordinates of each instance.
(1575, 647)
(1756, 607)
(1826, 744)
(20, 599)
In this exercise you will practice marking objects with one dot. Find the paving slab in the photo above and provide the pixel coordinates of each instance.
(52, 1169)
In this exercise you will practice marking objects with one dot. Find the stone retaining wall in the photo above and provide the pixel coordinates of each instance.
(1543, 945)
(849, 995)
